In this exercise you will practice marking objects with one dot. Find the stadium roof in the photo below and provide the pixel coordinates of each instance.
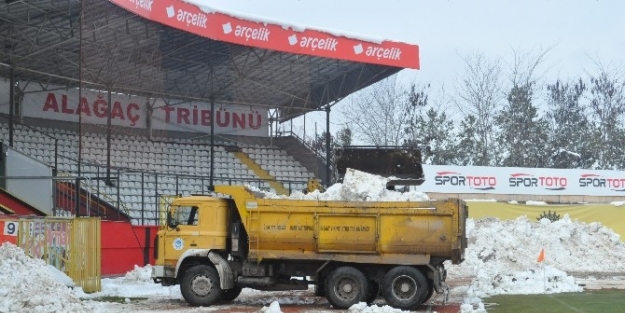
(180, 52)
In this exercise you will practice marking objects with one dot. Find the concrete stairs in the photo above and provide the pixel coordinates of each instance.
(261, 173)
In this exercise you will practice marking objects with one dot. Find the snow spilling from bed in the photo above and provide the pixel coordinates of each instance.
(356, 186)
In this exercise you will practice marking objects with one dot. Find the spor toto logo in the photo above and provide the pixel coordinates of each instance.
(457, 179)
(598, 181)
(529, 180)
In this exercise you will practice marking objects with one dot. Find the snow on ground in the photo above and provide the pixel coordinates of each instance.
(502, 256)
(28, 285)
(501, 259)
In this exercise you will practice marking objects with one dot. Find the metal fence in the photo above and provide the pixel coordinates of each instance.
(70, 245)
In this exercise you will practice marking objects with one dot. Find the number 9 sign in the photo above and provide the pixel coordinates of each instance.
(10, 228)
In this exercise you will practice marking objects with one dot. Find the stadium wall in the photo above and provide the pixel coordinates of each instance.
(125, 245)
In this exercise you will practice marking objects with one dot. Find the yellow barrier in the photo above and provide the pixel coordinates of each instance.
(608, 215)
(70, 245)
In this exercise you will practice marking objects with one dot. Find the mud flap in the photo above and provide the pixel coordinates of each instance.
(445, 288)
(226, 278)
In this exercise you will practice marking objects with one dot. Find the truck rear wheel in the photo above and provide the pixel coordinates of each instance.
(346, 286)
(404, 287)
(200, 286)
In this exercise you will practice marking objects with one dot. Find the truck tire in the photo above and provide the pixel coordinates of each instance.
(404, 287)
(200, 286)
(230, 294)
(346, 286)
(430, 292)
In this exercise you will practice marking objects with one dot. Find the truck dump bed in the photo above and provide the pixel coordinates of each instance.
(383, 232)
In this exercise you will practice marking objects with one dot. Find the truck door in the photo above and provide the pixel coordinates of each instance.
(200, 226)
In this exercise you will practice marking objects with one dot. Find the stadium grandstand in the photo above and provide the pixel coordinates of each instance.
(107, 108)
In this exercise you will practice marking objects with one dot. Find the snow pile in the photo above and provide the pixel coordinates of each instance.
(356, 186)
(362, 307)
(274, 307)
(139, 275)
(28, 285)
(61, 277)
(502, 255)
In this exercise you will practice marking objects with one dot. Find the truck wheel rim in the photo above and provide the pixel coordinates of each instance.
(201, 286)
(347, 289)
(404, 287)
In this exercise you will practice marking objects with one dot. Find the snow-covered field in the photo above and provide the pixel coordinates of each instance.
(501, 259)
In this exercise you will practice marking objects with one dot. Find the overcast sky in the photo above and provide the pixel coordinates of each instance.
(577, 31)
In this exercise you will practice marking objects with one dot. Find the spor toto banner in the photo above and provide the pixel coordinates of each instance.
(517, 180)
(132, 111)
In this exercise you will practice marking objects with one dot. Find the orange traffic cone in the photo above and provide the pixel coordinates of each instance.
(541, 256)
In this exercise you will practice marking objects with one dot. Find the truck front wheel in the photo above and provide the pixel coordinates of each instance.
(200, 286)
(346, 286)
(404, 287)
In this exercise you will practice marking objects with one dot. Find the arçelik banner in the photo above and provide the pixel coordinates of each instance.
(517, 180)
(257, 33)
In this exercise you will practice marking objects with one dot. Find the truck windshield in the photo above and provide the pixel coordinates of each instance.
(185, 215)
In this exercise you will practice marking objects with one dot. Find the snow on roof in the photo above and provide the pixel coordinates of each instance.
(205, 6)
(199, 18)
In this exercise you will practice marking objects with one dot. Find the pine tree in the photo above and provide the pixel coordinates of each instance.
(467, 152)
(435, 137)
(570, 132)
(523, 133)
(344, 137)
(607, 106)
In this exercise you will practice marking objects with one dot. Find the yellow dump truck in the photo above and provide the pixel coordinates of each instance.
(213, 246)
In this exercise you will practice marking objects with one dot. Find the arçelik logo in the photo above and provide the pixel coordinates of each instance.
(358, 49)
(171, 11)
(227, 28)
(314, 43)
(293, 39)
(191, 19)
(259, 33)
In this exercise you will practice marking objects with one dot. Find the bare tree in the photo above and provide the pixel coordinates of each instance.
(380, 114)
(525, 69)
(479, 96)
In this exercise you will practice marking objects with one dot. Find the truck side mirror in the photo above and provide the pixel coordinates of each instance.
(171, 223)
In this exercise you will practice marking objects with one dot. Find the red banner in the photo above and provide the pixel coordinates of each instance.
(224, 27)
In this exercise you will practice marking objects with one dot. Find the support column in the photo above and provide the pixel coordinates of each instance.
(328, 153)
(11, 104)
(108, 139)
(211, 186)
